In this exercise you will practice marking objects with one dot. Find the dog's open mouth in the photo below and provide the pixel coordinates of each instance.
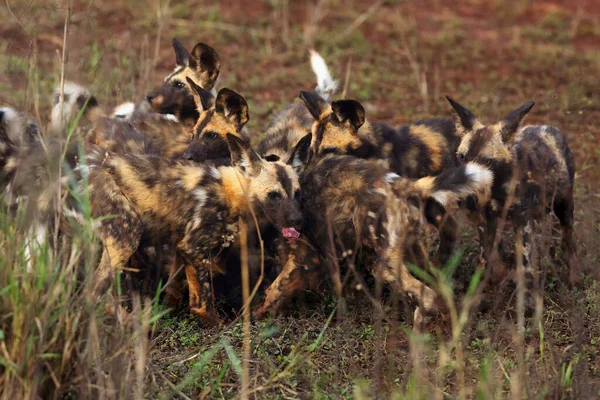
(290, 234)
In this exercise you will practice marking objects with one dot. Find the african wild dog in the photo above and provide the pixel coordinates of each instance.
(194, 207)
(538, 160)
(294, 122)
(425, 148)
(228, 116)
(365, 205)
(175, 96)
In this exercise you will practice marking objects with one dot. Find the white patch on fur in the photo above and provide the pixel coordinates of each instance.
(124, 111)
(390, 177)
(84, 169)
(72, 92)
(214, 172)
(170, 117)
(35, 240)
(479, 183)
(481, 175)
(77, 216)
(326, 86)
(201, 196)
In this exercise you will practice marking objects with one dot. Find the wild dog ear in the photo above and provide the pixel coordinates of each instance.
(464, 119)
(349, 110)
(205, 61)
(243, 157)
(233, 106)
(299, 155)
(182, 56)
(511, 122)
(203, 98)
(313, 102)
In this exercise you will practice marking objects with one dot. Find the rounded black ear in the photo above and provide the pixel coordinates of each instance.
(512, 121)
(313, 102)
(233, 107)
(206, 63)
(182, 56)
(300, 153)
(242, 156)
(465, 117)
(204, 97)
(349, 110)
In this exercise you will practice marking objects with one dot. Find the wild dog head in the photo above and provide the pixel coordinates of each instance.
(175, 96)
(228, 116)
(271, 187)
(336, 126)
(486, 144)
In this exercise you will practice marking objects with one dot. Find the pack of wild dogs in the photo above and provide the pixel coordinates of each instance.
(176, 176)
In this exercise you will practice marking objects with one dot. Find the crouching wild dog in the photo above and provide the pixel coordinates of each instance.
(534, 172)
(194, 207)
(425, 148)
(365, 205)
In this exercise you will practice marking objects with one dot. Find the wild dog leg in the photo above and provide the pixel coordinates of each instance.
(563, 208)
(447, 227)
(174, 287)
(527, 277)
(201, 294)
(115, 254)
(487, 237)
(398, 276)
(302, 268)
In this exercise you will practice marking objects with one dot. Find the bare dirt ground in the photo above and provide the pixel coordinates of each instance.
(399, 58)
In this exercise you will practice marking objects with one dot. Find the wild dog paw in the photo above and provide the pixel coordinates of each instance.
(208, 318)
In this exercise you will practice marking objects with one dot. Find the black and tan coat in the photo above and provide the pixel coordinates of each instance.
(425, 148)
(367, 206)
(534, 172)
(194, 207)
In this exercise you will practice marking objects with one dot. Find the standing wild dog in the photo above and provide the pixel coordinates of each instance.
(194, 207)
(295, 121)
(538, 160)
(425, 148)
(365, 205)
(176, 96)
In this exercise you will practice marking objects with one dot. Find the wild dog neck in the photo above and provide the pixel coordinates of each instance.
(235, 190)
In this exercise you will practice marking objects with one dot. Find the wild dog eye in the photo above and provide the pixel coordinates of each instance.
(462, 157)
(178, 84)
(211, 135)
(274, 195)
(297, 195)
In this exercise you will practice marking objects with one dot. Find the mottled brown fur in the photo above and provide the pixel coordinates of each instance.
(193, 207)
(425, 148)
(538, 162)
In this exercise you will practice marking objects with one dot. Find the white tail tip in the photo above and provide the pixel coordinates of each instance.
(326, 86)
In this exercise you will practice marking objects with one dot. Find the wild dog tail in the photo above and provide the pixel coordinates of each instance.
(456, 184)
(77, 100)
(326, 86)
